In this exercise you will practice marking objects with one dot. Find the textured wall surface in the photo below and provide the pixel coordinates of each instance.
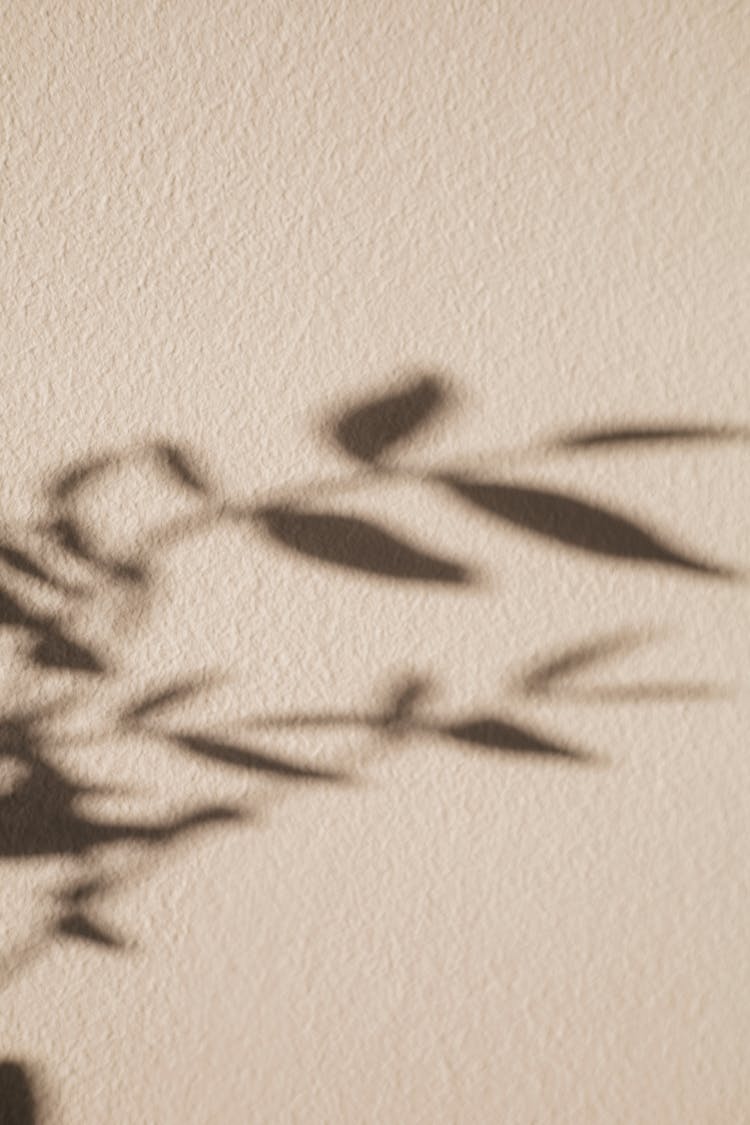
(368, 761)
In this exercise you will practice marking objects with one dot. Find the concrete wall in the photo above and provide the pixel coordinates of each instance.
(374, 481)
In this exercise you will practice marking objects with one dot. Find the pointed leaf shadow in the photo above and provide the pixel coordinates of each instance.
(576, 523)
(544, 676)
(404, 699)
(230, 755)
(24, 564)
(55, 650)
(157, 701)
(491, 733)
(12, 612)
(77, 925)
(69, 483)
(644, 435)
(181, 466)
(70, 537)
(17, 1102)
(356, 544)
(659, 692)
(52, 647)
(558, 675)
(132, 573)
(368, 431)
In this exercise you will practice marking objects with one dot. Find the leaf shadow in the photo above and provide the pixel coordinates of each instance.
(574, 522)
(500, 735)
(41, 816)
(559, 675)
(371, 429)
(358, 545)
(18, 1102)
(249, 758)
(646, 434)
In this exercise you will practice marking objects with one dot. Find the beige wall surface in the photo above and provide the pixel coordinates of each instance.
(373, 563)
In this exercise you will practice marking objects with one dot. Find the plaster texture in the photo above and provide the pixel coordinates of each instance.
(361, 766)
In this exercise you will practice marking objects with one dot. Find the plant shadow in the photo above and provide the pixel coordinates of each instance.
(60, 563)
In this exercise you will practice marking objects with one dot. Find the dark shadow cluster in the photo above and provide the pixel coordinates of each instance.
(41, 815)
(18, 1102)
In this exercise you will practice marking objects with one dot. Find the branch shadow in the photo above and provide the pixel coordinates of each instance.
(41, 814)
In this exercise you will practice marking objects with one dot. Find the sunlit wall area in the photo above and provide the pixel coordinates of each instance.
(374, 564)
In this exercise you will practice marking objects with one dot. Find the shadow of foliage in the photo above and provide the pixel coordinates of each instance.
(42, 813)
(648, 435)
(18, 1103)
(577, 523)
(357, 544)
(371, 429)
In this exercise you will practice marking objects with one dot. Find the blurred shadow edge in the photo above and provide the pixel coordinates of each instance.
(17, 1101)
